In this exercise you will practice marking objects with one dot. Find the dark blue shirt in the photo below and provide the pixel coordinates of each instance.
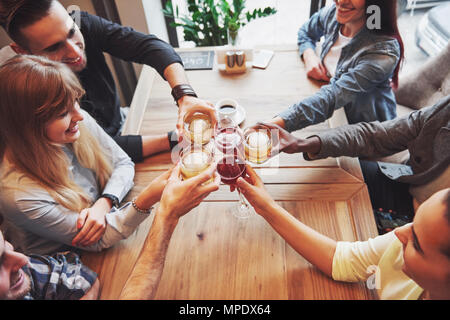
(102, 99)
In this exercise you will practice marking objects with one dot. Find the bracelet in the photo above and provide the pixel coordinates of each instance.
(143, 211)
(182, 90)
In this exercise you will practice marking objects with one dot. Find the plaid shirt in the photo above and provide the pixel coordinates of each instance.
(58, 277)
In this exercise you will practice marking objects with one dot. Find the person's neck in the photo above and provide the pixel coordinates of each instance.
(350, 29)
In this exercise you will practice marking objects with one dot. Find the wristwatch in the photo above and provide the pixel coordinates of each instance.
(114, 199)
(182, 90)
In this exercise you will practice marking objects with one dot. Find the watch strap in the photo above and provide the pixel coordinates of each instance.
(114, 199)
(182, 90)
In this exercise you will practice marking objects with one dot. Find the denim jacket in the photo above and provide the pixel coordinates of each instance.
(363, 74)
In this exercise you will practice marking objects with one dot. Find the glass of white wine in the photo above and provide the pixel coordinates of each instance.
(198, 128)
(258, 144)
(195, 160)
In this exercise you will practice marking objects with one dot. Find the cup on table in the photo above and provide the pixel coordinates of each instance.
(227, 108)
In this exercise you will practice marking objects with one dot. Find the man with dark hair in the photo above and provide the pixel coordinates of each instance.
(45, 28)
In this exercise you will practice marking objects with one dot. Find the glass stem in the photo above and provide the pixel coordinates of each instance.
(242, 199)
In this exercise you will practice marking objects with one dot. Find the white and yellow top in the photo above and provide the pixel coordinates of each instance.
(379, 262)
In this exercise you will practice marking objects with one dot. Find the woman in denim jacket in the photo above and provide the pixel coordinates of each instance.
(361, 57)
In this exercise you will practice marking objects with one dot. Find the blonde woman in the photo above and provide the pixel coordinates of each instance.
(61, 175)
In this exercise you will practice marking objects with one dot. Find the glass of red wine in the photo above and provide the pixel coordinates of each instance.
(231, 166)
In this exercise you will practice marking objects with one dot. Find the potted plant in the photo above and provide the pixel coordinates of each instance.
(214, 22)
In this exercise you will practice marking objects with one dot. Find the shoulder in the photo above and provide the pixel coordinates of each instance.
(16, 185)
(380, 44)
(327, 16)
(22, 196)
(87, 19)
(91, 26)
(379, 51)
(21, 188)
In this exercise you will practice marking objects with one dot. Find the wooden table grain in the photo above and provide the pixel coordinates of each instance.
(213, 255)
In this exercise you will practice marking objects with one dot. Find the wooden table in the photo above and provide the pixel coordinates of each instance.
(213, 255)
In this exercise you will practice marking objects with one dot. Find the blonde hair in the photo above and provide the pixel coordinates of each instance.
(34, 91)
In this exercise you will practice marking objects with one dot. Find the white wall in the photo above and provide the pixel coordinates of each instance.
(144, 16)
(155, 19)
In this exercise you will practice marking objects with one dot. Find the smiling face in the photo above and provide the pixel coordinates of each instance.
(350, 11)
(64, 128)
(14, 283)
(57, 37)
(426, 244)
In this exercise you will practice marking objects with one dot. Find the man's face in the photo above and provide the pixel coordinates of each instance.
(56, 37)
(423, 242)
(14, 283)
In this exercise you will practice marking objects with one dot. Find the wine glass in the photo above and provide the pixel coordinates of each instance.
(197, 128)
(260, 143)
(231, 166)
(194, 160)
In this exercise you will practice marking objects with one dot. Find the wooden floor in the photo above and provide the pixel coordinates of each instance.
(212, 254)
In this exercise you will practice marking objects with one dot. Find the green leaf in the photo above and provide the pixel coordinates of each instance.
(207, 21)
(259, 13)
(168, 10)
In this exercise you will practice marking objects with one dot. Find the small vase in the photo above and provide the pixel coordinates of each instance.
(233, 37)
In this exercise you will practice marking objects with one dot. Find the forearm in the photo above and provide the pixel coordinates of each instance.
(308, 54)
(121, 180)
(144, 279)
(310, 146)
(313, 246)
(309, 33)
(154, 144)
(278, 121)
(148, 197)
(370, 140)
(104, 204)
(120, 224)
(311, 110)
(175, 75)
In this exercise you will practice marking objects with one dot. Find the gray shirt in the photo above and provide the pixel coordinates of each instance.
(425, 133)
(43, 226)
